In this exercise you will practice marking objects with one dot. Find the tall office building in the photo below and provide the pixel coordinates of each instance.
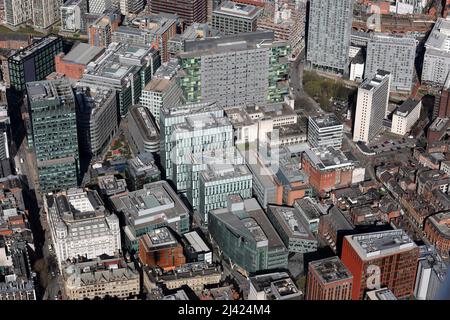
(35, 62)
(163, 90)
(246, 237)
(328, 279)
(96, 118)
(232, 18)
(381, 259)
(188, 131)
(72, 15)
(325, 131)
(371, 106)
(80, 226)
(436, 62)
(394, 54)
(330, 25)
(249, 68)
(18, 12)
(53, 133)
(45, 13)
(189, 11)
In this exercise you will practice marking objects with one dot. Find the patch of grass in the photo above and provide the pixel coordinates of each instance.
(324, 90)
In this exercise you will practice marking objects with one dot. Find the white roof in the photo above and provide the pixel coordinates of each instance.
(196, 242)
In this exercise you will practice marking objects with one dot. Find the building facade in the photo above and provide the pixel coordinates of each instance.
(34, 62)
(72, 15)
(235, 70)
(394, 54)
(330, 25)
(406, 116)
(371, 106)
(325, 131)
(262, 248)
(381, 259)
(142, 132)
(436, 62)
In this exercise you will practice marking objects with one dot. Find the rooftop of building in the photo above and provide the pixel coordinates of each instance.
(143, 118)
(393, 39)
(326, 121)
(249, 219)
(201, 122)
(188, 109)
(271, 110)
(407, 107)
(71, 3)
(276, 286)
(240, 10)
(330, 270)
(79, 276)
(221, 172)
(111, 185)
(167, 70)
(378, 244)
(239, 42)
(381, 294)
(292, 223)
(157, 24)
(49, 90)
(83, 53)
(76, 204)
(95, 98)
(328, 159)
(439, 37)
(35, 46)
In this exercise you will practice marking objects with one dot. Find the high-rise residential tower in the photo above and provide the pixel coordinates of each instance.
(53, 133)
(330, 25)
(371, 106)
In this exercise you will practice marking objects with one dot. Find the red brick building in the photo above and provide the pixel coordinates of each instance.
(74, 63)
(437, 231)
(327, 170)
(381, 259)
(160, 248)
(328, 279)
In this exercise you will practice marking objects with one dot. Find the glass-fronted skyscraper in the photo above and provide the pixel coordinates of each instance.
(34, 62)
(244, 69)
(53, 133)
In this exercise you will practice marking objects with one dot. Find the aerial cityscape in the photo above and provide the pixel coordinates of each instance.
(224, 150)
